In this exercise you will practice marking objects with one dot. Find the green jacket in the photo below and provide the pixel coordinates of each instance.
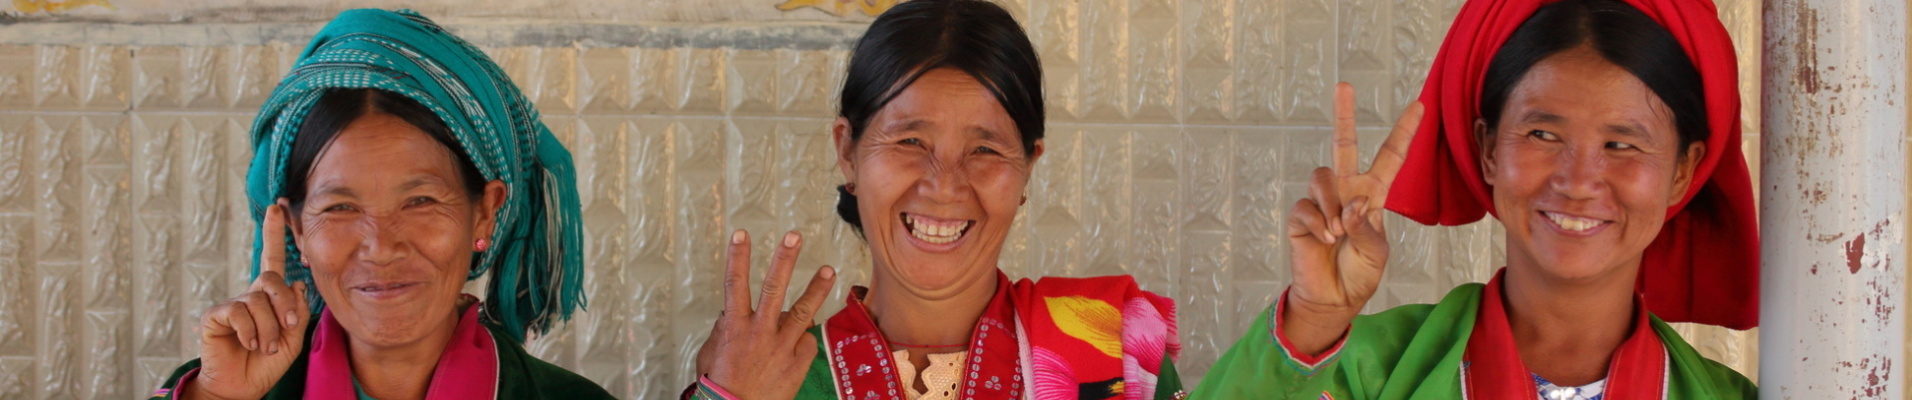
(1414, 352)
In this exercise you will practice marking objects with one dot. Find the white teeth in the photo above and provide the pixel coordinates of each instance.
(935, 233)
(1572, 223)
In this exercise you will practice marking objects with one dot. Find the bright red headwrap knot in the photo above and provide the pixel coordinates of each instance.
(1704, 265)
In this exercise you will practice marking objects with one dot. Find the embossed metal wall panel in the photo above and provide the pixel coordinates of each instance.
(1180, 132)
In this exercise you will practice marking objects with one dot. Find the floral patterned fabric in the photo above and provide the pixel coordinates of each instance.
(1057, 338)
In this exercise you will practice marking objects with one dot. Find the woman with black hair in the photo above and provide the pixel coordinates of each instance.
(940, 128)
(394, 164)
(1604, 136)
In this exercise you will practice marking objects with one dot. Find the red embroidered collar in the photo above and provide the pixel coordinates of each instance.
(1492, 368)
(860, 357)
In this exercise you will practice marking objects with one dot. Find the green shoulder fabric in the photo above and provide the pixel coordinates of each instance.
(1169, 382)
(1411, 351)
(818, 384)
(1694, 376)
(168, 387)
(521, 376)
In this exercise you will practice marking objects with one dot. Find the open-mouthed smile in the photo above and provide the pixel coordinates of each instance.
(936, 231)
(1574, 224)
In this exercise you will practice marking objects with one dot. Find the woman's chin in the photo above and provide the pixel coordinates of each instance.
(932, 278)
(1576, 269)
(392, 326)
(391, 330)
(937, 278)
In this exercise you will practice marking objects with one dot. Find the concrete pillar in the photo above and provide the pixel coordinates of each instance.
(1832, 212)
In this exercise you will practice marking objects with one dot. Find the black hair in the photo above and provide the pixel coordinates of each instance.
(337, 108)
(978, 37)
(1623, 36)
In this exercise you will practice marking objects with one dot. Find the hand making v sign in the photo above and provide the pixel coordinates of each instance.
(1340, 246)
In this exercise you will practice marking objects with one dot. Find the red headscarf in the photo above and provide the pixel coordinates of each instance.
(1704, 265)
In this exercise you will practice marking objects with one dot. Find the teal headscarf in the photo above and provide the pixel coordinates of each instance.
(536, 262)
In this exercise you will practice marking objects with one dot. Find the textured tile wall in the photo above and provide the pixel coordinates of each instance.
(1181, 130)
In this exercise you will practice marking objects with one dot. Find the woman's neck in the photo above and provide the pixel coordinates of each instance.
(923, 326)
(940, 322)
(402, 372)
(1567, 331)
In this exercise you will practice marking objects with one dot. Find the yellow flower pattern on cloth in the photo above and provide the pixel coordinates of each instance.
(1094, 321)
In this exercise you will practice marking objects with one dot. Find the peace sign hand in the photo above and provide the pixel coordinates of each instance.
(1340, 245)
(763, 353)
(247, 343)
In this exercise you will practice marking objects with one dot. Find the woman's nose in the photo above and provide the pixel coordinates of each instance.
(383, 242)
(945, 180)
(1579, 173)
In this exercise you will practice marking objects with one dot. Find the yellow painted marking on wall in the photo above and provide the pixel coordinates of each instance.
(838, 7)
(52, 6)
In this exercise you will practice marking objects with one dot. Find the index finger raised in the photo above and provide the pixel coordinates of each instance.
(272, 239)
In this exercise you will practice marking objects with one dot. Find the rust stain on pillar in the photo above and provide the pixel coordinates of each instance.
(1854, 250)
(1833, 134)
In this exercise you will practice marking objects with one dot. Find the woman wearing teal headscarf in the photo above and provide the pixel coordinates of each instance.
(404, 163)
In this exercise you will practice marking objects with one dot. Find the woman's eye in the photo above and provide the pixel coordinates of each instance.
(419, 201)
(1619, 146)
(1543, 135)
(986, 150)
(911, 142)
(338, 208)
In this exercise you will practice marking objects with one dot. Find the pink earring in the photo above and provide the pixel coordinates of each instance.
(481, 245)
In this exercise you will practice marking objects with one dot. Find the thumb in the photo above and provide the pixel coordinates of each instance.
(295, 336)
(1366, 231)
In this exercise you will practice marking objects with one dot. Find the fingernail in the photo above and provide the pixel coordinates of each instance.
(273, 348)
(252, 344)
(737, 237)
(291, 319)
(790, 239)
(827, 273)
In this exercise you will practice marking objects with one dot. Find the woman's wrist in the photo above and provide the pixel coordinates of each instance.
(1312, 328)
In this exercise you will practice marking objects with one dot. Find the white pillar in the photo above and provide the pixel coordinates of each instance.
(1832, 212)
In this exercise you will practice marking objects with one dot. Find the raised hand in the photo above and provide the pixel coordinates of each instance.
(763, 353)
(1340, 245)
(247, 343)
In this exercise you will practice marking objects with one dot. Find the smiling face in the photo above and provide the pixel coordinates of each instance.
(387, 228)
(939, 173)
(1584, 163)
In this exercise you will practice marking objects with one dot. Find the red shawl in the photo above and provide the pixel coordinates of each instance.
(1704, 265)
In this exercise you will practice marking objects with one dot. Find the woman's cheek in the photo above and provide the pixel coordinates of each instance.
(1000, 179)
(327, 242)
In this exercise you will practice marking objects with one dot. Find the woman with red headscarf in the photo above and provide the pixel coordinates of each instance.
(1604, 137)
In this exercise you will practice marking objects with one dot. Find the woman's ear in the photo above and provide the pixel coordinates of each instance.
(487, 217)
(845, 145)
(1037, 153)
(1484, 144)
(292, 222)
(1683, 172)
